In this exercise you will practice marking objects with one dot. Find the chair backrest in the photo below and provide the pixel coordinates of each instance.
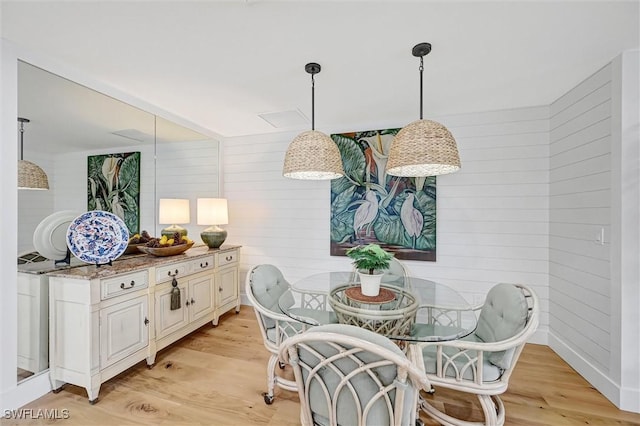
(265, 285)
(396, 274)
(506, 312)
(351, 376)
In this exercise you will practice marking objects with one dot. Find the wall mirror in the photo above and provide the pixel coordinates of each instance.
(69, 122)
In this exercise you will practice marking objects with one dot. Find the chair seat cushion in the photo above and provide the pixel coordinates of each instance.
(490, 372)
(268, 284)
(447, 332)
(503, 315)
(314, 316)
(291, 329)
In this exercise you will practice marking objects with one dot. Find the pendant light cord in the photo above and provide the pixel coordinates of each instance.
(421, 71)
(313, 102)
(21, 140)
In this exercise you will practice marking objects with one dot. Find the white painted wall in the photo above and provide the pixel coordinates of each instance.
(580, 212)
(492, 215)
(594, 230)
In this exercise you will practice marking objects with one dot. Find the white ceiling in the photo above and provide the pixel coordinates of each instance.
(222, 63)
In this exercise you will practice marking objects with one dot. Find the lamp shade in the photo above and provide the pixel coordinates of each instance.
(423, 148)
(212, 211)
(173, 211)
(312, 155)
(31, 176)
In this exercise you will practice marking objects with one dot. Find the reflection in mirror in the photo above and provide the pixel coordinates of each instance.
(68, 123)
(187, 168)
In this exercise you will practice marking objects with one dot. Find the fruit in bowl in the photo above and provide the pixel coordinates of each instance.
(165, 241)
(167, 246)
(137, 240)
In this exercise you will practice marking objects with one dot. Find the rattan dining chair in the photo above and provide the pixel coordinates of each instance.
(482, 362)
(347, 375)
(264, 286)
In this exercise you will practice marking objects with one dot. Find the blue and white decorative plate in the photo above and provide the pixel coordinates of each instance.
(97, 237)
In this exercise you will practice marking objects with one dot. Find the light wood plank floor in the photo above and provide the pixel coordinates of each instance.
(216, 376)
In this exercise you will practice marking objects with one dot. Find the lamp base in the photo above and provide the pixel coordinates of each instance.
(213, 236)
(170, 230)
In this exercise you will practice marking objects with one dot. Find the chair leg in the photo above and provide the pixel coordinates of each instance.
(492, 407)
(274, 380)
(271, 379)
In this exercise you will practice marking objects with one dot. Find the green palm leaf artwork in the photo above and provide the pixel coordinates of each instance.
(370, 207)
(113, 185)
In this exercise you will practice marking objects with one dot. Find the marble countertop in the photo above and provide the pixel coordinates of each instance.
(121, 265)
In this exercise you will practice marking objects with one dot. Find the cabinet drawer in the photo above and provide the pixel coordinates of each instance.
(166, 273)
(112, 287)
(202, 264)
(227, 257)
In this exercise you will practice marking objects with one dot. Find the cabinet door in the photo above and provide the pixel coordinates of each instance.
(168, 321)
(124, 329)
(200, 296)
(227, 286)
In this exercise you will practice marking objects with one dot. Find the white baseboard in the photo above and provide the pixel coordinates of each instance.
(540, 337)
(624, 399)
(27, 391)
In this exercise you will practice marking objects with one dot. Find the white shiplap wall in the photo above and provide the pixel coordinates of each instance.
(580, 216)
(189, 171)
(492, 215)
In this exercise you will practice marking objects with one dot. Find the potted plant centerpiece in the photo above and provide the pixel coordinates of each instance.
(367, 260)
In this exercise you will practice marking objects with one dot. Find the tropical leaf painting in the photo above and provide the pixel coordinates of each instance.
(113, 185)
(368, 206)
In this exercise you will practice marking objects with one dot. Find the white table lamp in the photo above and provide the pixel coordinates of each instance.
(174, 212)
(213, 211)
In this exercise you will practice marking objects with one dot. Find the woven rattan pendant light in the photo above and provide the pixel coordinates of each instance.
(30, 175)
(424, 147)
(312, 155)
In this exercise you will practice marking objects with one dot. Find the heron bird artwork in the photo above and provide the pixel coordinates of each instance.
(412, 219)
(368, 206)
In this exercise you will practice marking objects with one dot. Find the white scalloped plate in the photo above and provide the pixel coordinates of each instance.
(97, 237)
(49, 237)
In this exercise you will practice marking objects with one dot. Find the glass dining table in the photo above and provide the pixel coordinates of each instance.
(408, 309)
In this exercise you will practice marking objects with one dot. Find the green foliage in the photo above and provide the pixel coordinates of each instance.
(369, 257)
(119, 194)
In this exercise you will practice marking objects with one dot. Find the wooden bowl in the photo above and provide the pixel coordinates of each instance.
(133, 248)
(166, 251)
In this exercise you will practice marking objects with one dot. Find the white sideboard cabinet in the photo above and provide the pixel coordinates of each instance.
(104, 319)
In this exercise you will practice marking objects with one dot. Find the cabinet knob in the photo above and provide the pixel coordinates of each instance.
(187, 303)
(146, 321)
(172, 275)
(130, 285)
(204, 265)
(220, 289)
(193, 302)
(228, 258)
